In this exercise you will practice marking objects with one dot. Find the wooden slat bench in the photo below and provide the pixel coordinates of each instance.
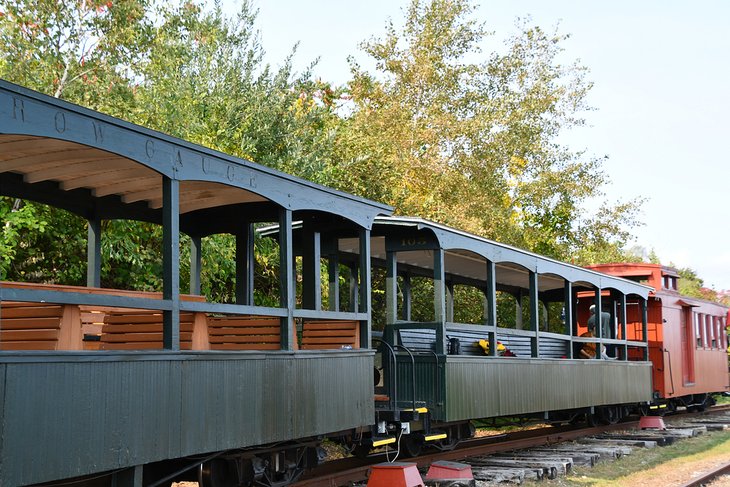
(30, 326)
(244, 333)
(323, 335)
(553, 347)
(423, 340)
(141, 330)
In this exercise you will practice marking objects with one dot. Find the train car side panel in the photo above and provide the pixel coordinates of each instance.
(480, 388)
(120, 410)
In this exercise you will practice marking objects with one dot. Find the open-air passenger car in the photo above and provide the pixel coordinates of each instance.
(115, 382)
(435, 373)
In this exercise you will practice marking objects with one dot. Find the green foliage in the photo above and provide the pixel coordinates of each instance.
(41, 244)
(470, 140)
(205, 80)
(80, 50)
(690, 284)
(439, 130)
(131, 255)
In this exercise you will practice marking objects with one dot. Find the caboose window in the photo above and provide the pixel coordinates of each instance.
(697, 318)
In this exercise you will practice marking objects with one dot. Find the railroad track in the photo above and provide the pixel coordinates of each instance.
(708, 477)
(351, 470)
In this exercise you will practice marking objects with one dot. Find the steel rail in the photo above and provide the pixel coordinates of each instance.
(478, 446)
(340, 472)
(709, 476)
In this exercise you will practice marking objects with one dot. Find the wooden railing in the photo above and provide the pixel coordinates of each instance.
(48, 326)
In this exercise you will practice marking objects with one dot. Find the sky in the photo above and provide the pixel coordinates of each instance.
(661, 74)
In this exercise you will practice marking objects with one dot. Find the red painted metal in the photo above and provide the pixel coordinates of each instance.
(395, 474)
(652, 422)
(687, 345)
(444, 470)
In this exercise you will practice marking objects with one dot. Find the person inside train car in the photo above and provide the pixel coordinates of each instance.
(605, 322)
(606, 328)
(589, 349)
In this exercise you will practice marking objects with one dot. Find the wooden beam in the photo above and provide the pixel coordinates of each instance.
(391, 287)
(126, 185)
(71, 168)
(534, 313)
(245, 261)
(93, 253)
(333, 274)
(196, 251)
(365, 300)
(287, 289)
(11, 161)
(100, 177)
(171, 264)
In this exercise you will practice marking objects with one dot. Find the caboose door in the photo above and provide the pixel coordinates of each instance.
(688, 366)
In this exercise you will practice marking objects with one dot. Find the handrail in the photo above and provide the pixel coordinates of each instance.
(413, 372)
(671, 376)
(393, 372)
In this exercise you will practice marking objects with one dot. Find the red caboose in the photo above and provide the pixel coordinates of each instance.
(687, 338)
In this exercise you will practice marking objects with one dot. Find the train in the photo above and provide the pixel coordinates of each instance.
(125, 387)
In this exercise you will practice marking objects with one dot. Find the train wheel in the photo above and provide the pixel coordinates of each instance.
(591, 419)
(609, 415)
(217, 473)
(410, 446)
(360, 451)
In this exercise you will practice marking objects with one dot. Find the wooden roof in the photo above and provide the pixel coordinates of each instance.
(89, 163)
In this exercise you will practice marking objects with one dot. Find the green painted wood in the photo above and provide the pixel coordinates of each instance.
(24, 111)
(93, 253)
(482, 387)
(88, 412)
(196, 263)
(171, 263)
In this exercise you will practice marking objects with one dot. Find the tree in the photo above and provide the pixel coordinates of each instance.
(442, 131)
(178, 68)
(690, 284)
(80, 50)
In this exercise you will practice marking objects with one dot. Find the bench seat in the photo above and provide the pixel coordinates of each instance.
(423, 340)
(30, 326)
(323, 335)
(141, 330)
(244, 333)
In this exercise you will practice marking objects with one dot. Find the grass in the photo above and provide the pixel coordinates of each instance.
(616, 473)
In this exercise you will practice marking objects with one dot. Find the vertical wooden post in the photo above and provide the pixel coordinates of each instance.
(245, 261)
(171, 262)
(568, 314)
(439, 299)
(645, 326)
(391, 287)
(311, 269)
(287, 288)
(93, 253)
(365, 283)
(491, 311)
(333, 274)
(196, 260)
(534, 314)
(622, 325)
(598, 322)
